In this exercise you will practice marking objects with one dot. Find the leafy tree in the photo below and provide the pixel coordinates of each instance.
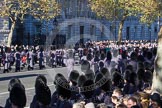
(17, 9)
(149, 11)
(113, 9)
(152, 10)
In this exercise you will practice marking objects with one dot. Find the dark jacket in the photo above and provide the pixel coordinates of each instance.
(129, 89)
(8, 103)
(64, 104)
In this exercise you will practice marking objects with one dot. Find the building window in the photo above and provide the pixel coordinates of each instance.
(155, 29)
(142, 31)
(69, 31)
(81, 34)
(111, 29)
(92, 30)
(135, 32)
(102, 31)
(127, 33)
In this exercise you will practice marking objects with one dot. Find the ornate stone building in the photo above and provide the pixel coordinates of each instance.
(77, 21)
(4, 30)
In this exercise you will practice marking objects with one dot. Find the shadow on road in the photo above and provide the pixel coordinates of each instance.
(18, 76)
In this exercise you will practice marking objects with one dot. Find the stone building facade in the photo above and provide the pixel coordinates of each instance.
(77, 20)
(4, 30)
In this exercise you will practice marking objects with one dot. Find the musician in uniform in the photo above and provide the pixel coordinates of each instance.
(18, 60)
(30, 57)
(41, 58)
(53, 59)
(6, 60)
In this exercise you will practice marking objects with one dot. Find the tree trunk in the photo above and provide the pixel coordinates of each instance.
(120, 31)
(121, 24)
(11, 34)
(157, 75)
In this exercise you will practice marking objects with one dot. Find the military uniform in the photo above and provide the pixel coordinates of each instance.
(53, 59)
(30, 57)
(18, 61)
(6, 63)
(41, 59)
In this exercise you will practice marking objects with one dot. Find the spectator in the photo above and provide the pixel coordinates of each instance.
(90, 105)
(121, 106)
(74, 75)
(90, 74)
(81, 80)
(102, 105)
(133, 61)
(115, 100)
(18, 96)
(144, 100)
(88, 93)
(78, 105)
(64, 95)
(155, 101)
(10, 86)
(85, 66)
(39, 79)
(130, 83)
(125, 99)
(118, 93)
(132, 102)
(43, 95)
(55, 95)
(106, 73)
(117, 80)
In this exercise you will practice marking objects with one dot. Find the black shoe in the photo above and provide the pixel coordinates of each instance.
(31, 68)
(28, 68)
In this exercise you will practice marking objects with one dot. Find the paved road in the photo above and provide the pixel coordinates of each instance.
(28, 79)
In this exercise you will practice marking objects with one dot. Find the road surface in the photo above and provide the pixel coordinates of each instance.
(28, 79)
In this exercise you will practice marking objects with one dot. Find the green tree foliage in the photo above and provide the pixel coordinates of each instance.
(125, 8)
(17, 9)
(113, 9)
(151, 10)
(45, 9)
(147, 11)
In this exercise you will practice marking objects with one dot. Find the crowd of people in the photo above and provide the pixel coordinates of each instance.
(112, 75)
